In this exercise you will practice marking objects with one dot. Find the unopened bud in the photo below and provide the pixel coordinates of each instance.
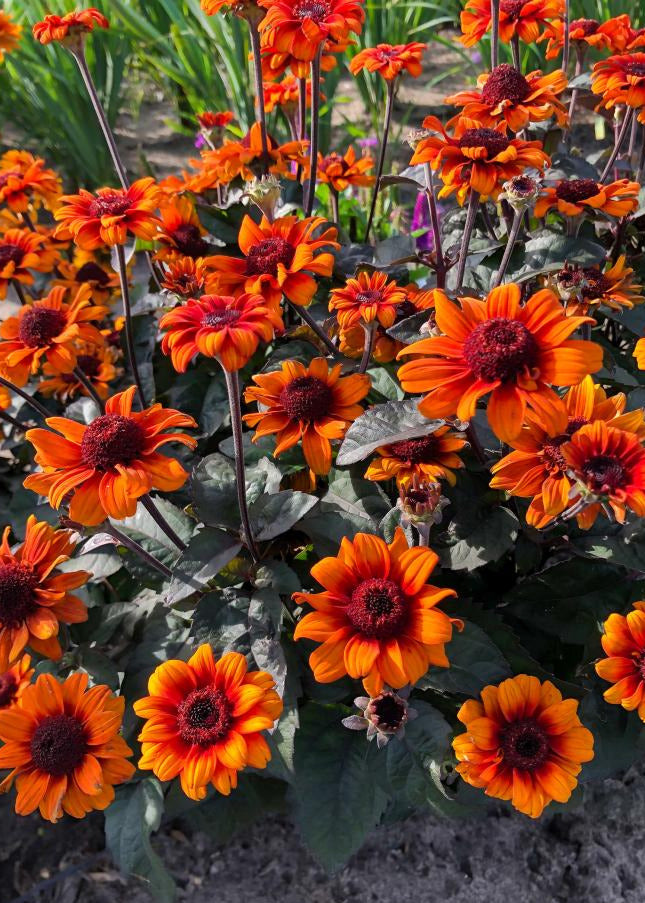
(265, 193)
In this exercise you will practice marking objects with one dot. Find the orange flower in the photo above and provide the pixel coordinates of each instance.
(34, 597)
(623, 640)
(300, 27)
(15, 675)
(351, 343)
(229, 329)
(609, 465)
(205, 720)
(48, 329)
(96, 362)
(505, 95)
(523, 743)
(573, 197)
(182, 234)
(613, 35)
(69, 28)
(188, 278)
(9, 34)
(368, 297)
(244, 158)
(275, 63)
(311, 404)
(524, 18)
(585, 288)
(209, 121)
(476, 158)
(428, 457)
(22, 251)
(496, 346)
(639, 353)
(244, 9)
(377, 618)
(389, 60)
(107, 217)
(87, 269)
(621, 80)
(110, 463)
(24, 180)
(63, 745)
(284, 94)
(537, 468)
(278, 259)
(342, 172)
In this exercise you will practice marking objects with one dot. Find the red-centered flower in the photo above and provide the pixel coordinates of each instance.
(389, 60)
(623, 641)
(524, 18)
(573, 197)
(229, 329)
(23, 253)
(181, 233)
(430, 458)
(107, 217)
(613, 35)
(106, 466)
(245, 158)
(621, 80)
(279, 258)
(95, 362)
(10, 33)
(586, 288)
(70, 27)
(300, 27)
(351, 343)
(496, 346)
(368, 297)
(275, 63)
(24, 181)
(346, 171)
(285, 94)
(188, 278)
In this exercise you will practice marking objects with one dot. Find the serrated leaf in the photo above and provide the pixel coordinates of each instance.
(207, 553)
(384, 424)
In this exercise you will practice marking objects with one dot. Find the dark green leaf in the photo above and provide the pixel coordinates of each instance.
(384, 424)
(207, 553)
(475, 661)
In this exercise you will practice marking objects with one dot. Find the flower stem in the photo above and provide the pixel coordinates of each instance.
(581, 49)
(27, 220)
(315, 117)
(13, 421)
(515, 50)
(436, 232)
(389, 105)
(127, 312)
(36, 405)
(306, 317)
(641, 162)
(79, 56)
(566, 44)
(18, 289)
(494, 36)
(508, 250)
(233, 389)
(333, 198)
(618, 143)
(370, 330)
(134, 546)
(475, 444)
(473, 206)
(161, 522)
(89, 388)
(302, 108)
(259, 92)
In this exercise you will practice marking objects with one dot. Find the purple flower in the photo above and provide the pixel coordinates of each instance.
(200, 141)
(421, 220)
(366, 143)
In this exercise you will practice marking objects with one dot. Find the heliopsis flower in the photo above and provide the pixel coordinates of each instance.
(181, 233)
(226, 328)
(34, 596)
(573, 197)
(69, 28)
(612, 35)
(48, 329)
(367, 298)
(524, 18)
(476, 158)
(276, 62)
(209, 121)
(204, 721)
(86, 269)
(107, 217)
(96, 363)
(21, 252)
(377, 618)
(639, 353)
(188, 278)
(623, 641)
(516, 353)
(245, 158)
(586, 288)
(110, 463)
(285, 94)
(430, 457)
(346, 171)
(524, 743)
(279, 258)
(389, 60)
(300, 27)
(244, 9)
(10, 33)
(621, 80)
(351, 343)
(24, 180)
(505, 95)
(15, 675)
(312, 405)
(63, 745)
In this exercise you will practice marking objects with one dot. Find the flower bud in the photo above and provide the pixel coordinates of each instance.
(383, 716)
(521, 192)
(265, 193)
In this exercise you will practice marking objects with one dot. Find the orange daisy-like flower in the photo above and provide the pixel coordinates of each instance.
(110, 463)
(351, 343)
(586, 288)
(312, 405)
(22, 253)
(623, 641)
(34, 597)
(573, 197)
(9, 34)
(48, 329)
(188, 278)
(525, 18)
(284, 94)
(182, 234)
(244, 158)
(505, 95)
(15, 676)
(24, 180)
(278, 259)
(476, 158)
(275, 62)
(389, 60)
(229, 329)
(430, 458)
(368, 297)
(621, 80)
(69, 28)
(107, 217)
(524, 743)
(377, 618)
(342, 172)
(87, 269)
(209, 121)
(300, 27)
(63, 745)
(516, 353)
(613, 35)
(204, 721)
(96, 363)
(639, 353)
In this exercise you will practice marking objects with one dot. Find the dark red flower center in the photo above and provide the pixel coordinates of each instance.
(316, 10)
(523, 186)
(92, 272)
(505, 83)
(500, 349)
(58, 745)
(415, 451)
(110, 440)
(204, 717)
(635, 67)
(39, 325)
(218, 319)
(189, 241)
(109, 205)
(369, 296)
(8, 688)
(378, 608)
(512, 8)
(17, 601)
(587, 26)
(595, 284)
(604, 474)
(334, 159)
(575, 424)
(525, 745)
(491, 139)
(388, 711)
(88, 364)
(306, 398)
(575, 190)
(186, 284)
(552, 456)
(11, 254)
(263, 259)
(640, 664)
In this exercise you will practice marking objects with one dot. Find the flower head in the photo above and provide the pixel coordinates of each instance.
(586, 288)
(612, 35)
(285, 94)
(342, 172)
(368, 297)
(521, 192)
(573, 197)
(181, 233)
(95, 362)
(15, 675)
(385, 716)
(523, 743)
(389, 60)
(621, 80)
(188, 278)
(23, 253)
(70, 28)
(421, 503)
(204, 721)
(377, 618)
(87, 268)
(24, 181)
(209, 121)
(623, 641)
(63, 745)
(107, 465)
(245, 158)
(300, 27)
(10, 33)
(431, 457)
(525, 18)
(351, 343)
